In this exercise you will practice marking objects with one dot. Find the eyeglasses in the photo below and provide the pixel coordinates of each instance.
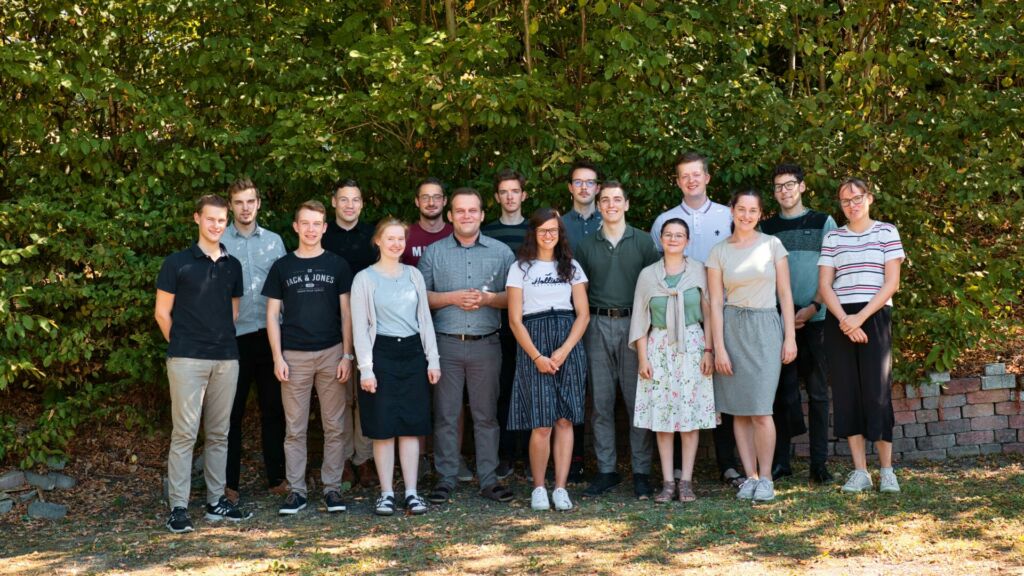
(547, 232)
(789, 186)
(432, 198)
(854, 201)
(581, 183)
(679, 236)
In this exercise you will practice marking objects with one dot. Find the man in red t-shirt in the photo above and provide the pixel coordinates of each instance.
(431, 227)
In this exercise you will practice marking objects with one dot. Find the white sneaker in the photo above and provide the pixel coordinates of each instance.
(539, 499)
(746, 491)
(764, 491)
(858, 481)
(887, 481)
(561, 498)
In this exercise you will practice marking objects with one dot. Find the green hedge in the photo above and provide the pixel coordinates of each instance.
(116, 115)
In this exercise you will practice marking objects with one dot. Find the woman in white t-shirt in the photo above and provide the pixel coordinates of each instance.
(859, 271)
(548, 314)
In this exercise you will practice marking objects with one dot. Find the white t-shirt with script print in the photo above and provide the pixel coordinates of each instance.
(542, 289)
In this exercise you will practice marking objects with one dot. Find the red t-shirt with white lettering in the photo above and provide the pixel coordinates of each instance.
(419, 239)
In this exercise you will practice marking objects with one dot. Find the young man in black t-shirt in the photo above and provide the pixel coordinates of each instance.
(312, 346)
(197, 296)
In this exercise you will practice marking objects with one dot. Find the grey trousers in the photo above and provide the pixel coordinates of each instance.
(614, 366)
(475, 365)
(200, 390)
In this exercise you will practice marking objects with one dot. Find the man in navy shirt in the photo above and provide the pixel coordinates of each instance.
(312, 347)
(197, 297)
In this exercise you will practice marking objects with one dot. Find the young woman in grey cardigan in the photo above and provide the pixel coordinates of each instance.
(396, 351)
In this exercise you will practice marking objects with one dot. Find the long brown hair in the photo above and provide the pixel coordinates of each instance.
(563, 253)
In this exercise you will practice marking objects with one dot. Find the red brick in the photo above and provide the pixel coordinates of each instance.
(962, 385)
(988, 423)
(926, 416)
(982, 396)
(1015, 421)
(906, 417)
(1007, 408)
(1016, 448)
(949, 413)
(972, 410)
(906, 404)
(976, 437)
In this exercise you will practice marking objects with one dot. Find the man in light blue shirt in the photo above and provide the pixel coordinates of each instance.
(256, 248)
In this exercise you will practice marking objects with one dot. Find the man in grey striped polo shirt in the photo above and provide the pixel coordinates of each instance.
(465, 279)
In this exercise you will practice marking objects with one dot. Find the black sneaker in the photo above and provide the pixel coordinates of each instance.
(602, 482)
(575, 470)
(179, 522)
(225, 510)
(292, 504)
(779, 471)
(642, 486)
(334, 502)
(504, 470)
(821, 475)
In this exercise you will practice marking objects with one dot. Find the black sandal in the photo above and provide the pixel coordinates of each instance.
(440, 494)
(498, 493)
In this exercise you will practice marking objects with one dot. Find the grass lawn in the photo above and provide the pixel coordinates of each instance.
(953, 518)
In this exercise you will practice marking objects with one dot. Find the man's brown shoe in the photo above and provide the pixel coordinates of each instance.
(281, 489)
(348, 474)
(231, 495)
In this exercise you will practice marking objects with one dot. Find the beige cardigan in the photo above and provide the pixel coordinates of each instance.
(364, 322)
(651, 283)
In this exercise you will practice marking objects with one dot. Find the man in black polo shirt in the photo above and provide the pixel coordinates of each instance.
(352, 239)
(197, 296)
(312, 346)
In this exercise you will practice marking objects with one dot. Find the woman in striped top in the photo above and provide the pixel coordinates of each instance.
(859, 273)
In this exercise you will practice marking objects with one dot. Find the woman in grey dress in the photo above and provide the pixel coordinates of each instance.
(748, 280)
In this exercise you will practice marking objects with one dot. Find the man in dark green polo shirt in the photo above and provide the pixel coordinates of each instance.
(612, 258)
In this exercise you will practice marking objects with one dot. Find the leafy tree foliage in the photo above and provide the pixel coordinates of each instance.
(115, 115)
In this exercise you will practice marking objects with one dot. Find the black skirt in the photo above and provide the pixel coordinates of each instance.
(401, 405)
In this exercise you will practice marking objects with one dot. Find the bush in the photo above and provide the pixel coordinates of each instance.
(115, 116)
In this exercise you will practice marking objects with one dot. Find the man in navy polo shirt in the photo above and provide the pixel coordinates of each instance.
(197, 298)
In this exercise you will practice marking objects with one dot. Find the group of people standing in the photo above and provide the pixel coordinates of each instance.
(707, 322)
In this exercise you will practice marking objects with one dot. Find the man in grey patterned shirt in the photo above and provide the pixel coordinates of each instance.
(465, 279)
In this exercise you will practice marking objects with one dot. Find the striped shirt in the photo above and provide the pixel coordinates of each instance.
(859, 260)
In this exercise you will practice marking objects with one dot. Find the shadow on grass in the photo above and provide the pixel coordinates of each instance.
(958, 515)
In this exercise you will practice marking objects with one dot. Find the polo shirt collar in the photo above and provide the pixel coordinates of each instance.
(703, 209)
(198, 253)
(627, 233)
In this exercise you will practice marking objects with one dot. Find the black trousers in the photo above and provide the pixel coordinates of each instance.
(861, 376)
(256, 364)
(811, 366)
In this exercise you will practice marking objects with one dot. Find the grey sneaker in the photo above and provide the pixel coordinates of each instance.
(764, 491)
(858, 481)
(887, 481)
(746, 491)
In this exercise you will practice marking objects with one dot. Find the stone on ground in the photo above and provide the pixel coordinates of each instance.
(47, 510)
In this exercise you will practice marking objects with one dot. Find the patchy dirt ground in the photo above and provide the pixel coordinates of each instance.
(962, 517)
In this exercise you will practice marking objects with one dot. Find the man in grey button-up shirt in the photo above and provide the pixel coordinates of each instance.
(465, 279)
(256, 248)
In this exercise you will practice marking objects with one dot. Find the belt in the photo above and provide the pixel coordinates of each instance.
(611, 312)
(468, 337)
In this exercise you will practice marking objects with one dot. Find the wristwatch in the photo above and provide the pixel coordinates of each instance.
(347, 357)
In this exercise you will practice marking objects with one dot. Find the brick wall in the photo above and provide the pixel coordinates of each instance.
(949, 418)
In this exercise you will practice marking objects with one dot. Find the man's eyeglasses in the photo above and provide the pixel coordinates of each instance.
(581, 183)
(854, 201)
(789, 186)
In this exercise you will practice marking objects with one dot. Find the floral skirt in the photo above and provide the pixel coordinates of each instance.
(677, 397)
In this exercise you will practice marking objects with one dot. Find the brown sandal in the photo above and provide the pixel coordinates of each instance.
(686, 491)
(668, 492)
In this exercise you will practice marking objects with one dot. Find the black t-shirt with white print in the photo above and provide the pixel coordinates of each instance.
(309, 289)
